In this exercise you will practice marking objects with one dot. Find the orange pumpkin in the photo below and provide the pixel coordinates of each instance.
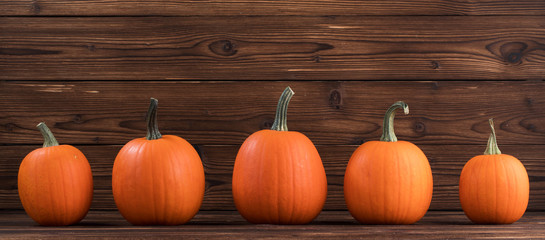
(55, 183)
(278, 176)
(494, 187)
(159, 179)
(388, 181)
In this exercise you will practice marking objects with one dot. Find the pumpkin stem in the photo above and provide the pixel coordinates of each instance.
(492, 146)
(281, 118)
(49, 139)
(388, 134)
(151, 119)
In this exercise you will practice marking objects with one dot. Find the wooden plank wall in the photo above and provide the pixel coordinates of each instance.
(88, 68)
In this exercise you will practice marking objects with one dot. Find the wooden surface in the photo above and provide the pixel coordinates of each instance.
(226, 113)
(273, 48)
(229, 225)
(89, 67)
(448, 120)
(269, 7)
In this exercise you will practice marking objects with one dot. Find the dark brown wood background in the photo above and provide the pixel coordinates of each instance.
(88, 68)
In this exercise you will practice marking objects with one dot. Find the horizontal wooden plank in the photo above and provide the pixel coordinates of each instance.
(336, 113)
(446, 161)
(273, 48)
(268, 7)
(230, 225)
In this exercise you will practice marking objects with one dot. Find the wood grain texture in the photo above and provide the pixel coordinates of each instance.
(273, 48)
(446, 161)
(230, 225)
(339, 113)
(268, 7)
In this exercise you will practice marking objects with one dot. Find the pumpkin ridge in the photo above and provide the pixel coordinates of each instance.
(516, 180)
(275, 215)
(259, 143)
(376, 145)
(173, 164)
(50, 186)
(141, 160)
(60, 208)
(162, 179)
(480, 195)
(175, 160)
(383, 215)
(261, 163)
(508, 209)
(514, 176)
(153, 178)
(63, 190)
(496, 188)
(292, 188)
(409, 183)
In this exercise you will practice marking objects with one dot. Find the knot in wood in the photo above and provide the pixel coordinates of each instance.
(267, 123)
(513, 52)
(358, 141)
(35, 7)
(78, 118)
(91, 47)
(529, 102)
(228, 46)
(335, 99)
(9, 127)
(223, 48)
(435, 65)
(419, 127)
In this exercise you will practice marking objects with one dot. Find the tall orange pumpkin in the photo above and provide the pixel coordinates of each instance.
(278, 176)
(159, 179)
(55, 183)
(388, 181)
(494, 187)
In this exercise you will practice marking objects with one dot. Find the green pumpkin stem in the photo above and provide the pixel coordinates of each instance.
(281, 118)
(388, 134)
(492, 146)
(49, 139)
(151, 119)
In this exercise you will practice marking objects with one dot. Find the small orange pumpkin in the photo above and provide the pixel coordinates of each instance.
(278, 175)
(159, 179)
(388, 181)
(494, 187)
(55, 183)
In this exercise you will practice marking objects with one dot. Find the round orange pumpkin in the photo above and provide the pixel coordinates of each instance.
(278, 175)
(388, 181)
(494, 187)
(158, 180)
(55, 183)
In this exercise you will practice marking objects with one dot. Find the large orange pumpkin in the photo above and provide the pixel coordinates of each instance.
(158, 180)
(388, 181)
(278, 176)
(494, 187)
(55, 183)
